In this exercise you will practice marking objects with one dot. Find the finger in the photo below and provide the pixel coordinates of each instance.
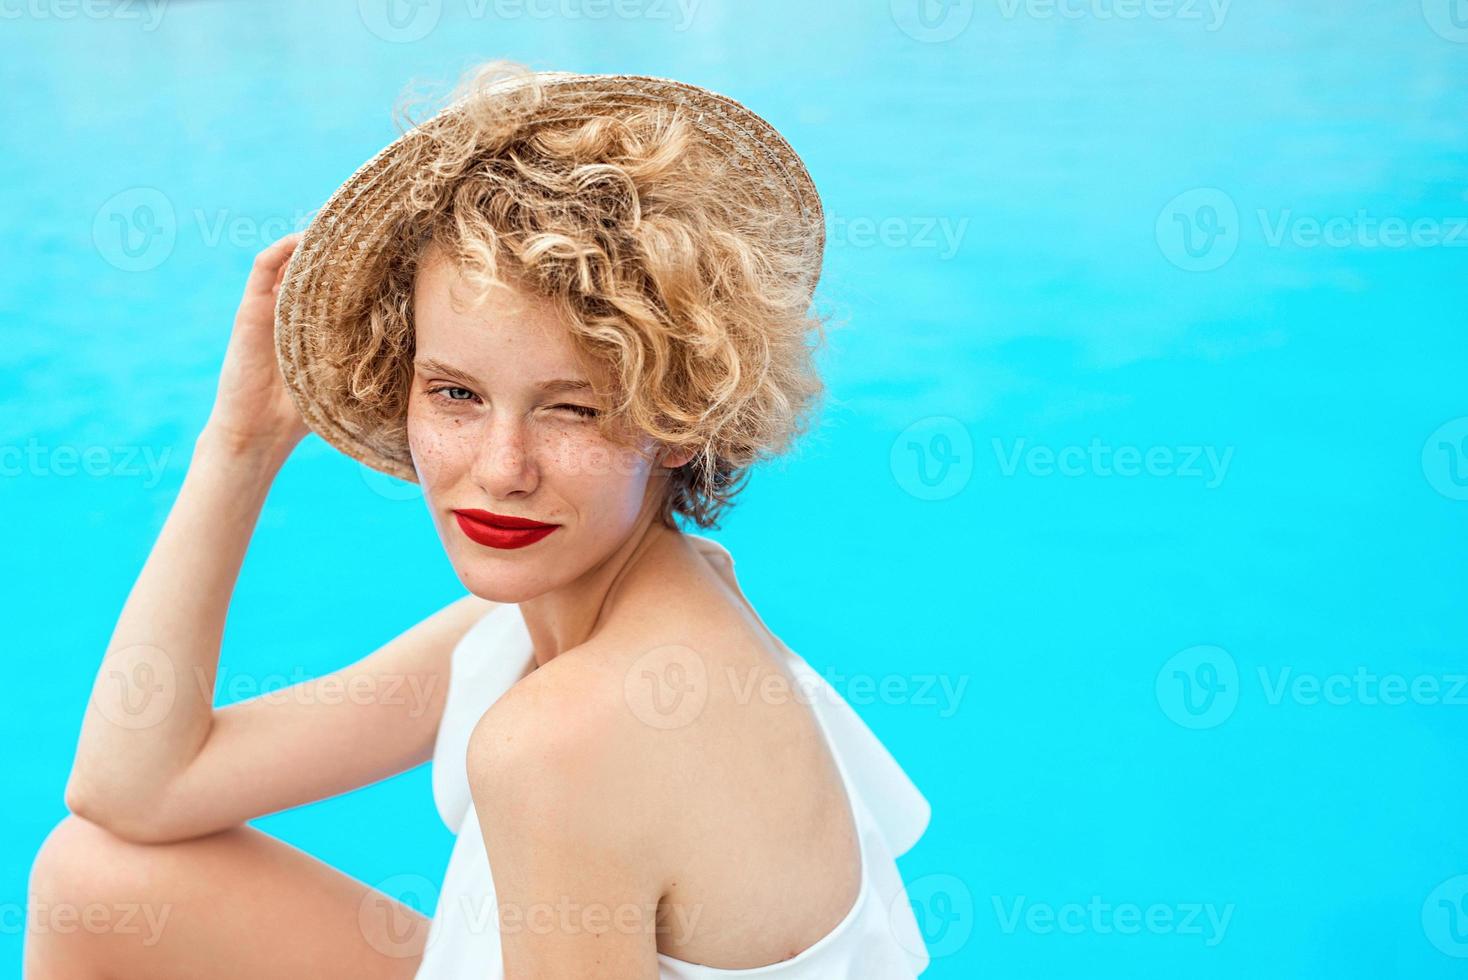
(280, 273)
(270, 264)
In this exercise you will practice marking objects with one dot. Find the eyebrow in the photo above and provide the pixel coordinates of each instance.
(553, 385)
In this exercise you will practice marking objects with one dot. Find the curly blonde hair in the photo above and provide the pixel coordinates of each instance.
(669, 261)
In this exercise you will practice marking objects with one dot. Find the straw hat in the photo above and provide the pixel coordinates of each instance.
(337, 259)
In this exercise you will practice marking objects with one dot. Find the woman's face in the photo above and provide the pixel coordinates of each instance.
(501, 421)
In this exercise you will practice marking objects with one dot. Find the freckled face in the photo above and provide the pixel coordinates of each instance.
(493, 425)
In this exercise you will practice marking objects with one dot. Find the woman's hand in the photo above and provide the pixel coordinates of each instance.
(253, 409)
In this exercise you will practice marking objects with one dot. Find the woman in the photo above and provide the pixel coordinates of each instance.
(576, 310)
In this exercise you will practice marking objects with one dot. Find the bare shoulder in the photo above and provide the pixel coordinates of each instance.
(560, 767)
(572, 706)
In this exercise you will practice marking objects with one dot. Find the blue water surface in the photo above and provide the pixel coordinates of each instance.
(1134, 522)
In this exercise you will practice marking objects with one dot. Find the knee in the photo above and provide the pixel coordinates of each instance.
(78, 876)
(81, 862)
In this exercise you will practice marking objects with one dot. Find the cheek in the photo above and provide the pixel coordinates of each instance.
(606, 477)
(439, 446)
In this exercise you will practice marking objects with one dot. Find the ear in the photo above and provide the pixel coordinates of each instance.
(674, 458)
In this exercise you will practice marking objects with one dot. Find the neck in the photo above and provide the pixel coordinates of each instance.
(568, 616)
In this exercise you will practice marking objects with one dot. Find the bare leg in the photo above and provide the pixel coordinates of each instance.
(236, 905)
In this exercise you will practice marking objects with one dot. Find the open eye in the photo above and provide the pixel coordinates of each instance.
(449, 390)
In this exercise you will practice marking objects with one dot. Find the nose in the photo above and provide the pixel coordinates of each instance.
(504, 465)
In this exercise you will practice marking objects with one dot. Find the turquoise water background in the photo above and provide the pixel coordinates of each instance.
(1135, 521)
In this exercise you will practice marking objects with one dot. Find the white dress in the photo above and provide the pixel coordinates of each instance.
(879, 937)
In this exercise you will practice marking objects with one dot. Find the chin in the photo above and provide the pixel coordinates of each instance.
(501, 588)
(499, 580)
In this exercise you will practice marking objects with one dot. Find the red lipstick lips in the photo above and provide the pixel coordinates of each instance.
(501, 530)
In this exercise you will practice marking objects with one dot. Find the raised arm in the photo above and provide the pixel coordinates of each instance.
(154, 760)
(151, 704)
